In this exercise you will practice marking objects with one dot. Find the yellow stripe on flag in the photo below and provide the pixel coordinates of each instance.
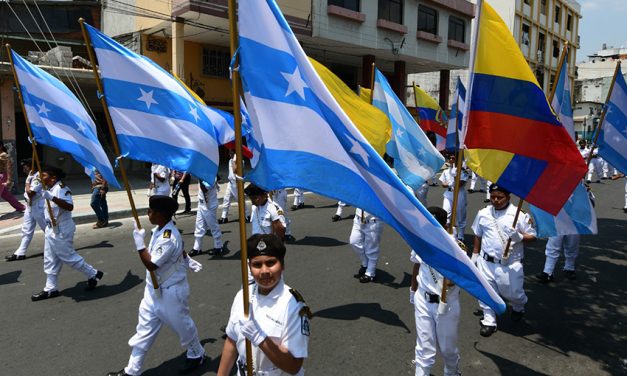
(488, 163)
(364, 94)
(424, 100)
(373, 124)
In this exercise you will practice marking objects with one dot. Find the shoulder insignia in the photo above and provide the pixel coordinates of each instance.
(61, 185)
(304, 324)
(305, 311)
(297, 295)
(279, 212)
(68, 192)
(167, 234)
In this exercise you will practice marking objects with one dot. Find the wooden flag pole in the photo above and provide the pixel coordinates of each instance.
(413, 83)
(559, 72)
(114, 137)
(598, 128)
(33, 143)
(372, 83)
(241, 208)
(509, 241)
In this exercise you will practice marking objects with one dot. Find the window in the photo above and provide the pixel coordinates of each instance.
(525, 34)
(540, 76)
(391, 10)
(348, 4)
(543, 7)
(427, 20)
(557, 14)
(528, 2)
(556, 49)
(569, 22)
(541, 42)
(456, 29)
(551, 82)
(215, 63)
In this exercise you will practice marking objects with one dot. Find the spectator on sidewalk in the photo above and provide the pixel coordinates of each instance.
(99, 189)
(6, 180)
(180, 183)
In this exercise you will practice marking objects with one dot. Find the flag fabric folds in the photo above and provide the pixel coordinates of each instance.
(561, 102)
(58, 119)
(415, 159)
(455, 121)
(371, 122)
(612, 140)
(513, 137)
(307, 141)
(156, 119)
(430, 116)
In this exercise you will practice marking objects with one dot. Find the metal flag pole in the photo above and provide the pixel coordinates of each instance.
(558, 73)
(30, 131)
(372, 83)
(239, 171)
(114, 137)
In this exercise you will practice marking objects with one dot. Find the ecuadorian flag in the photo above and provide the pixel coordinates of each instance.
(430, 116)
(513, 137)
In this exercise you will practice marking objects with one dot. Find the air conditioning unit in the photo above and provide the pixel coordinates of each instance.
(540, 56)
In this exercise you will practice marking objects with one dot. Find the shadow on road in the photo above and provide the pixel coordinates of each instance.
(172, 366)
(320, 241)
(386, 279)
(102, 244)
(10, 277)
(354, 311)
(79, 294)
(507, 367)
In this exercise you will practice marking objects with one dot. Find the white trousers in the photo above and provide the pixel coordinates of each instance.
(596, 166)
(299, 196)
(568, 243)
(229, 195)
(280, 198)
(435, 332)
(59, 250)
(625, 193)
(460, 215)
(171, 309)
(33, 217)
(340, 208)
(508, 281)
(365, 239)
(483, 184)
(206, 220)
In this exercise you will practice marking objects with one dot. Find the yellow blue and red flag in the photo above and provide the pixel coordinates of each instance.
(513, 138)
(431, 118)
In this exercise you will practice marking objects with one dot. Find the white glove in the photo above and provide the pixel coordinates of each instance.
(47, 195)
(412, 293)
(251, 330)
(474, 258)
(138, 236)
(193, 265)
(513, 234)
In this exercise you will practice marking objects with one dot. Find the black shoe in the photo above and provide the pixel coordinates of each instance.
(360, 272)
(93, 282)
(478, 313)
(517, 315)
(118, 373)
(471, 191)
(543, 277)
(486, 200)
(194, 252)
(624, 210)
(570, 274)
(247, 219)
(14, 258)
(44, 295)
(294, 207)
(217, 251)
(301, 205)
(223, 220)
(487, 331)
(366, 279)
(191, 364)
(335, 218)
(289, 238)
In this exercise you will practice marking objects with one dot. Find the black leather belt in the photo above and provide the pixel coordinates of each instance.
(432, 298)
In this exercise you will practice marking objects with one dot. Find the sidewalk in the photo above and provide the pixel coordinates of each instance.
(119, 206)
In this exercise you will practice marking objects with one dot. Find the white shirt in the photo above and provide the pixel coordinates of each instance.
(493, 238)
(448, 178)
(61, 216)
(35, 186)
(428, 278)
(281, 317)
(166, 251)
(212, 191)
(161, 187)
(232, 163)
(263, 216)
(585, 153)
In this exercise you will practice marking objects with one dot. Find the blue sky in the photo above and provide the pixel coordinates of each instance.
(603, 21)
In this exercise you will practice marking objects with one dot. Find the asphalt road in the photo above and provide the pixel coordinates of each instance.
(571, 328)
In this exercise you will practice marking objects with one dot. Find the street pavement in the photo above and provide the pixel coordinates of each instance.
(570, 328)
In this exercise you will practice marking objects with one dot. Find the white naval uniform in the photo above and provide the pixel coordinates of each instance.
(505, 276)
(365, 239)
(231, 189)
(59, 240)
(448, 178)
(206, 216)
(172, 307)
(263, 216)
(281, 317)
(435, 331)
(568, 243)
(34, 213)
(299, 196)
(160, 187)
(280, 197)
(478, 179)
(340, 208)
(596, 164)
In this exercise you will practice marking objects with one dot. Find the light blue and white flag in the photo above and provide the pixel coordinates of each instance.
(58, 119)
(307, 141)
(561, 103)
(455, 121)
(576, 217)
(415, 159)
(612, 139)
(156, 119)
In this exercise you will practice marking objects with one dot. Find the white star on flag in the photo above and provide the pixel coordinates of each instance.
(147, 98)
(296, 83)
(399, 132)
(194, 112)
(80, 126)
(43, 109)
(358, 150)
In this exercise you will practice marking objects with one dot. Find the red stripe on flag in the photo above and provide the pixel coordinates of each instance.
(548, 195)
(433, 126)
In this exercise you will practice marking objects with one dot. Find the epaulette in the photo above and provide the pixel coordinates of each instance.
(167, 234)
(279, 211)
(305, 311)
